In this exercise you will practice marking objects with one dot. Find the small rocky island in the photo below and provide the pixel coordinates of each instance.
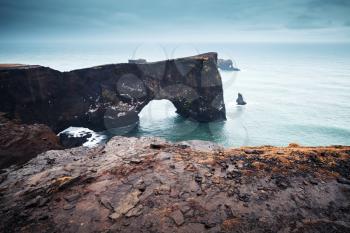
(240, 100)
(226, 64)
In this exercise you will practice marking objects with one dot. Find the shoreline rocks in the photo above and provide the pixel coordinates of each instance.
(150, 185)
(78, 136)
(69, 140)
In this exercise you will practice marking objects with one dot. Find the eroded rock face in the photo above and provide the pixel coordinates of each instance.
(149, 185)
(20, 142)
(111, 96)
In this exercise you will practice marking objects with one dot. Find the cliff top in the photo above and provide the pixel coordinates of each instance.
(17, 66)
(149, 185)
(204, 56)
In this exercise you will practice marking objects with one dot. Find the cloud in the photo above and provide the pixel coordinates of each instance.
(139, 18)
(308, 22)
(329, 3)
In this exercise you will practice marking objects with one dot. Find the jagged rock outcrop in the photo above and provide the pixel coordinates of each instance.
(111, 96)
(149, 185)
(20, 142)
(227, 65)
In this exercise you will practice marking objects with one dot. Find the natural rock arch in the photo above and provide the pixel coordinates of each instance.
(111, 96)
(192, 84)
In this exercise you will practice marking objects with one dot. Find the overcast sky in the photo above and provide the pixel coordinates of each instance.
(176, 20)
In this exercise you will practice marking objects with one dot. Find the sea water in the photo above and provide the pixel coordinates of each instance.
(294, 92)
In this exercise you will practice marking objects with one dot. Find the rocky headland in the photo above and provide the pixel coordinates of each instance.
(150, 185)
(39, 102)
(111, 96)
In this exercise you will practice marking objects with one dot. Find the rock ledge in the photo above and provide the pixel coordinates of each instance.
(150, 185)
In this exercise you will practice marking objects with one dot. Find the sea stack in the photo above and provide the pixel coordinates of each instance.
(240, 100)
(226, 64)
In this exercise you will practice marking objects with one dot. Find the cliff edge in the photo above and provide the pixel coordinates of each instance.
(150, 185)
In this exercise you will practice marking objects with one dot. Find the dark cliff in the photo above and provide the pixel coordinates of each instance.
(110, 96)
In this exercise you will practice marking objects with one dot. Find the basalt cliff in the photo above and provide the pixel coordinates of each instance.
(111, 96)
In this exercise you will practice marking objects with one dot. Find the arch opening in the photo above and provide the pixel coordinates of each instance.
(160, 118)
(156, 114)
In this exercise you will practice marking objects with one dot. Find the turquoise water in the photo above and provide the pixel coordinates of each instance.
(295, 92)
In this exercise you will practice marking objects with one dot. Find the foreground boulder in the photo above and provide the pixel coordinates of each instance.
(149, 185)
(20, 142)
(111, 96)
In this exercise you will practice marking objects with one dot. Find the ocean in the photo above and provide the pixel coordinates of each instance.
(295, 93)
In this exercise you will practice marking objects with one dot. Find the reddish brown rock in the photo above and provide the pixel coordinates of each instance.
(20, 142)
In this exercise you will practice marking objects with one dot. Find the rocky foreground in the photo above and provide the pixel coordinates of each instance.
(149, 185)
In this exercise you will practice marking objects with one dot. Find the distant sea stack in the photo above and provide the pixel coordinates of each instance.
(240, 100)
(111, 96)
(226, 65)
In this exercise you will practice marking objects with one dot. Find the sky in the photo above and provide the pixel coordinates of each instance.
(176, 20)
